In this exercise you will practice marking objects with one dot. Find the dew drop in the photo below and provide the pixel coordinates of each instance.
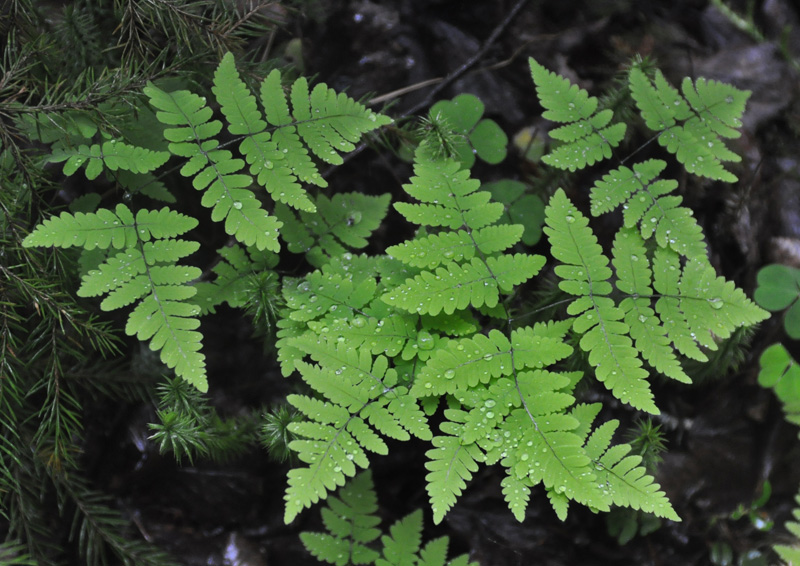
(425, 340)
(449, 374)
(237, 205)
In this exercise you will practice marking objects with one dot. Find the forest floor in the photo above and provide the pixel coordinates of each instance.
(726, 436)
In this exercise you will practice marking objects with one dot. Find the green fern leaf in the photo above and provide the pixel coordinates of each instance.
(104, 228)
(467, 362)
(517, 495)
(115, 155)
(432, 250)
(455, 287)
(143, 271)
(449, 197)
(214, 170)
(401, 546)
(666, 269)
(266, 160)
(587, 135)
(621, 474)
(633, 278)
(691, 125)
(541, 444)
(699, 306)
(351, 520)
(451, 464)
(585, 273)
(362, 394)
(645, 201)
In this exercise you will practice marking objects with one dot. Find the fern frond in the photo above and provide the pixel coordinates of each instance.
(104, 228)
(623, 476)
(449, 197)
(455, 287)
(696, 306)
(587, 135)
(467, 362)
(362, 396)
(691, 126)
(145, 271)
(646, 202)
(634, 277)
(585, 273)
(431, 251)
(351, 520)
(213, 170)
(115, 155)
(351, 523)
(403, 542)
(451, 464)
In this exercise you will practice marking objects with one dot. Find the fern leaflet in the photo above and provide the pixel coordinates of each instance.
(363, 397)
(693, 307)
(585, 273)
(647, 201)
(586, 134)
(113, 154)
(691, 126)
(144, 270)
(351, 522)
(623, 475)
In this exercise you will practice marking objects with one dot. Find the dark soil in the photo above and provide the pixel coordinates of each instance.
(725, 435)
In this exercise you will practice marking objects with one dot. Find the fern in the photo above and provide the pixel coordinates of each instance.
(328, 123)
(111, 154)
(587, 135)
(691, 125)
(692, 305)
(646, 201)
(351, 522)
(363, 399)
(449, 200)
(143, 271)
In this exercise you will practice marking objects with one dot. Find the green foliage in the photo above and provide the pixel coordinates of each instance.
(474, 136)
(143, 271)
(587, 135)
(409, 325)
(778, 289)
(351, 523)
(692, 305)
(146, 270)
(691, 123)
(780, 372)
(387, 343)
(791, 553)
